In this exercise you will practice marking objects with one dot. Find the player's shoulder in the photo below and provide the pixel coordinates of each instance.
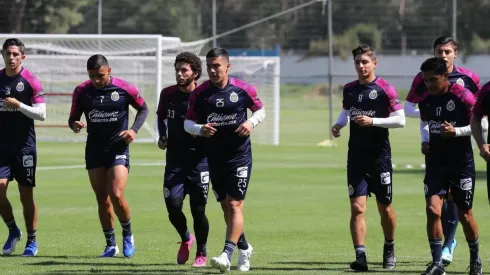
(418, 78)
(460, 91)
(485, 89)
(241, 84)
(167, 91)
(30, 77)
(350, 85)
(385, 86)
(203, 87)
(466, 71)
(123, 84)
(84, 86)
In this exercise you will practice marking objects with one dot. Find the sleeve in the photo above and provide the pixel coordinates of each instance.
(76, 108)
(37, 111)
(162, 115)
(395, 120)
(469, 100)
(191, 127)
(137, 100)
(345, 102)
(411, 109)
(424, 131)
(393, 100)
(140, 118)
(257, 117)
(416, 90)
(476, 80)
(343, 118)
(480, 109)
(255, 103)
(37, 91)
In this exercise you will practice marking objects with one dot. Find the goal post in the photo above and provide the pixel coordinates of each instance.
(59, 61)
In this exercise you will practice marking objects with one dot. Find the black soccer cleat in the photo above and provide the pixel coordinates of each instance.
(435, 269)
(389, 259)
(476, 268)
(359, 266)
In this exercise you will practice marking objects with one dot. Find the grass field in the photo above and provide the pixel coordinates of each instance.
(297, 209)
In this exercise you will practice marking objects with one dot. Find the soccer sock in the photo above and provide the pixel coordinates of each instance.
(450, 223)
(201, 225)
(474, 250)
(11, 225)
(360, 253)
(110, 237)
(229, 249)
(31, 235)
(242, 242)
(436, 250)
(201, 250)
(389, 247)
(126, 227)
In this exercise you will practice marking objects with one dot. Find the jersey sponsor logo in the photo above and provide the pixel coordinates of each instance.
(3, 107)
(115, 96)
(97, 116)
(385, 178)
(234, 97)
(28, 161)
(242, 172)
(450, 106)
(460, 82)
(353, 112)
(466, 184)
(19, 87)
(373, 94)
(205, 177)
(222, 120)
(435, 126)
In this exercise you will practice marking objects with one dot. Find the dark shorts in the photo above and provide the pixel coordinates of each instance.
(460, 178)
(19, 165)
(192, 179)
(230, 178)
(364, 178)
(95, 157)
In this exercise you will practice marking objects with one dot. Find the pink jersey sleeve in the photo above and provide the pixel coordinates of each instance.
(137, 99)
(256, 103)
(480, 110)
(418, 90)
(36, 86)
(469, 101)
(76, 110)
(390, 91)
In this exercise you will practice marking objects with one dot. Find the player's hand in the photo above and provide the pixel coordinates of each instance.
(363, 121)
(162, 143)
(336, 130)
(128, 136)
(485, 152)
(447, 129)
(425, 148)
(245, 129)
(77, 126)
(12, 103)
(207, 130)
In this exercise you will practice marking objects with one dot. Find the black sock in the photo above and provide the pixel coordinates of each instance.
(110, 237)
(474, 250)
(201, 250)
(360, 252)
(436, 250)
(201, 224)
(389, 248)
(31, 235)
(229, 249)
(126, 227)
(242, 242)
(11, 225)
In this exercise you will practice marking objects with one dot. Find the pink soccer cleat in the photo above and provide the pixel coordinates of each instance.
(185, 248)
(200, 260)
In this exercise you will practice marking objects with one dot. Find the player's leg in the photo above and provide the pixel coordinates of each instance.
(463, 188)
(358, 191)
(7, 213)
(198, 187)
(98, 182)
(449, 225)
(174, 193)
(381, 182)
(117, 177)
(435, 190)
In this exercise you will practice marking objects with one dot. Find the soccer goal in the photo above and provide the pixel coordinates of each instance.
(59, 61)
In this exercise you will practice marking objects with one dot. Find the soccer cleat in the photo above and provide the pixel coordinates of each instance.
(435, 269)
(200, 260)
(476, 268)
(359, 265)
(128, 246)
(389, 259)
(14, 236)
(448, 253)
(184, 250)
(244, 256)
(30, 250)
(110, 251)
(221, 262)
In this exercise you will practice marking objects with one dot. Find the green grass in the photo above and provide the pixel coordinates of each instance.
(297, 209)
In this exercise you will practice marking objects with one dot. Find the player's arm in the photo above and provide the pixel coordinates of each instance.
(396, 119)
(478, 113)
(424, 133)
(139, 104)
(76, 112)
(342, 119)
(447, 129)
(418, 87)
(162, 121)
(258, 113)
(192, 116)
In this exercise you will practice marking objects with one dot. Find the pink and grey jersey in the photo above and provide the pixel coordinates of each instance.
(227, 108)
(106, 109)
(376, 99)
(18, 129)
(455, 107)
(461, 76)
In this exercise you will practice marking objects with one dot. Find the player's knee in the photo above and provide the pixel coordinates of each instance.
(198, 209)
(26, 194)
(357, 209)
(174, 205)
(433, 212)
(116, 195)
(465, 215)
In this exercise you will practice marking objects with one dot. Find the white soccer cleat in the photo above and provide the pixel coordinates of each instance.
(244, 258)
(221, 262)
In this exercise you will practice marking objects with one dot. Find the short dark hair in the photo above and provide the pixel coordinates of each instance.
(436, 65)
(193, 60)
(364, 49)
(13, 42)
(96, 61)
(443, 40)
(217, 52)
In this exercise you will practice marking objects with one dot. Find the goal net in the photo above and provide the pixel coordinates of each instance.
(59, 61)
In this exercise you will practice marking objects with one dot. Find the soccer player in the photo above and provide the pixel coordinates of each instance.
(218, 111)
(446, 49)
(186, 171)
(372, 105)
(449, 162)
(104, 100)
(21, 102)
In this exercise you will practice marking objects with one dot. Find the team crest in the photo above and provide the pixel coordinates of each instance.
(351, 190)
(19, 87)
(166, 192)
(373, 94)
(233, 97)
(460, 82)
(115, 96)
(426, 188)
(450, 106)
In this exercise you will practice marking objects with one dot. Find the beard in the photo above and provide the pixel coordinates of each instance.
(186, 83)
